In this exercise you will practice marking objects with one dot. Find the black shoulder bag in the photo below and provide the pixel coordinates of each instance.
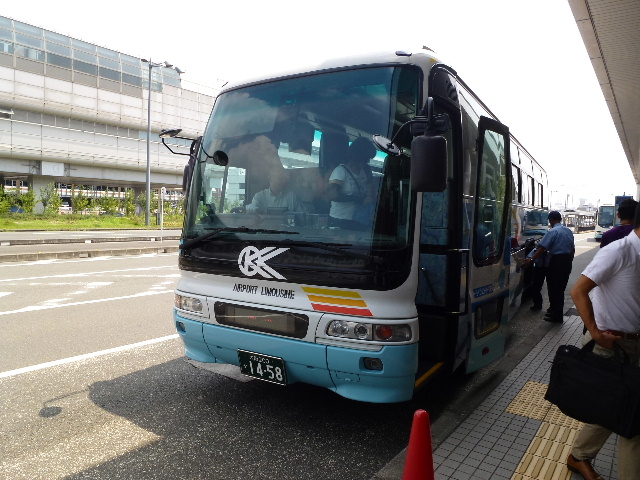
(595, 389)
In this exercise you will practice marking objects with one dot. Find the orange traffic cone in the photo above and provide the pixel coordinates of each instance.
(419, 463)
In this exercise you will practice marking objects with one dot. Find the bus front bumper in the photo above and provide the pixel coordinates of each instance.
(339, 369)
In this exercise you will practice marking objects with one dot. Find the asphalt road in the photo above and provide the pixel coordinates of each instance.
(93, 385)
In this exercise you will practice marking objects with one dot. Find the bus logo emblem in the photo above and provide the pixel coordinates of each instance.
(252, 261)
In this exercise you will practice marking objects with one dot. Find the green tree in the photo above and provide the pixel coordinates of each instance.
(79, 201)
(153, 204)
(25, 201)
(109, 204)
(129, 203)
(5, 202)
(50, 199)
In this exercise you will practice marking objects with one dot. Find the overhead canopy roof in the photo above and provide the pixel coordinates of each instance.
(610, 30)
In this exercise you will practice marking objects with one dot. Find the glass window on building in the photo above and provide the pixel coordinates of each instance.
(129, 60)
(172, 81)
(59, 60)
(6, 34)
(57, 38)
(85, 67)
(28, 29)
(131, 79)
(6, 22)
(29, 41)
(30, 53)
(155, 86)
(85, 57)
(109, 63)
(110, 74)
(6, 46)
(130, 69)
(80, 45)
(105, 52)
(58, 49)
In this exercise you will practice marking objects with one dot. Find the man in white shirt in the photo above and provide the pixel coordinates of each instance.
(611, 316)
(276, 195)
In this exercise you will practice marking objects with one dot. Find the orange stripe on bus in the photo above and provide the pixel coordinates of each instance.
(338, 301)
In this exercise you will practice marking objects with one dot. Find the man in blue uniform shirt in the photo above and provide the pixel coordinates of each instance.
(560, 248)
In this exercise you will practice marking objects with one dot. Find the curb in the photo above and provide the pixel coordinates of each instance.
(56, 241)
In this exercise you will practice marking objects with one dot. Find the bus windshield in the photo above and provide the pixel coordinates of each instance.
(606, 216)
(299, 164)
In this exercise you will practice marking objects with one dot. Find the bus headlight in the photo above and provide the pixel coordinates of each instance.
(367, 331)
(189, 304)
(338, 328)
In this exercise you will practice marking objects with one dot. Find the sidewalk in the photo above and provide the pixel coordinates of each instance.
(27, 246)
(514, 434)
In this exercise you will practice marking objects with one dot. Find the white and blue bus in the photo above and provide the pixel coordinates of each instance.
(423, 278)
(607, 216)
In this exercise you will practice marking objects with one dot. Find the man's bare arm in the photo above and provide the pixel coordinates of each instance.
(580, 295)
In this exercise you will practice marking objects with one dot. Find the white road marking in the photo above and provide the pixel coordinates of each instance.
(87, 274)
(35, 308)
(77, 358)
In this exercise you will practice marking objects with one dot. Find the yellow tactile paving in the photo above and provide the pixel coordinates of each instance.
(547, 453)
(538, 468)
(530, 402)
(555, 416)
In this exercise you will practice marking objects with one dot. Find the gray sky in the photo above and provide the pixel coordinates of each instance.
(525, 60)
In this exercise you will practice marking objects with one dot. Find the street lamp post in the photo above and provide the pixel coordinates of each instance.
(148, 177)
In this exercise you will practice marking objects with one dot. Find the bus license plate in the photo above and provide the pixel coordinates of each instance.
(262, 367)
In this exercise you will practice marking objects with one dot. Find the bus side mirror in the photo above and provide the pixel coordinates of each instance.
(190, 166)
(429, 163)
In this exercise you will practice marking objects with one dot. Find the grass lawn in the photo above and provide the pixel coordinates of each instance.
(25, 221)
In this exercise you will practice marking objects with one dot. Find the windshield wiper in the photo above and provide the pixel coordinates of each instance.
(332, 247)
(203, 238)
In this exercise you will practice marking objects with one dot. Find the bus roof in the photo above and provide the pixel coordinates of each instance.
(420, 58)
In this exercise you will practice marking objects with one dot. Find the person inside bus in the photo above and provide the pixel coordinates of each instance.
(350, 187)
(626, 212)
(277, 196)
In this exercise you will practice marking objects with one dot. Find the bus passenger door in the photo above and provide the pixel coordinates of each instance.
(489, 283)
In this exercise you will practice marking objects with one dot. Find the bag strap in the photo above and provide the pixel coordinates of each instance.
(355, 180)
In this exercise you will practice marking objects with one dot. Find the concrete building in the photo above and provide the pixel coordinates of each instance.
(74, 113)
